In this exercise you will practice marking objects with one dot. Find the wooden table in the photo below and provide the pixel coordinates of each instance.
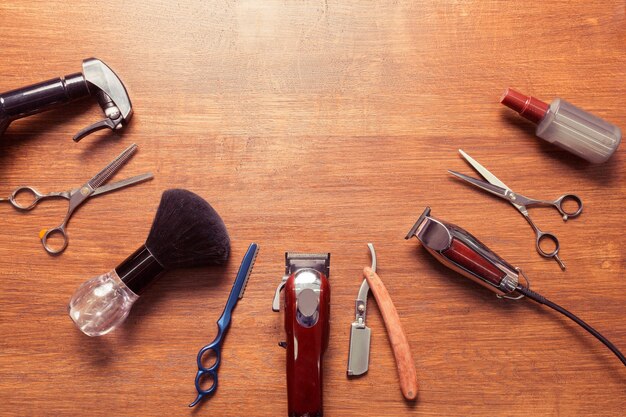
(316, 126)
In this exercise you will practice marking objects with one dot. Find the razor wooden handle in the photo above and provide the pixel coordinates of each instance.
(399, 342)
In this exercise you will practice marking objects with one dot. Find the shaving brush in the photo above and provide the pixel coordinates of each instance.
(186, 232)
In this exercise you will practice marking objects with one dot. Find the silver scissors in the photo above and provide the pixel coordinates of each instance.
(520, 202)
(76, 196)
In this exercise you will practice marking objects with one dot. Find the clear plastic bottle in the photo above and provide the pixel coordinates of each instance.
(99, 305)
(567, 126)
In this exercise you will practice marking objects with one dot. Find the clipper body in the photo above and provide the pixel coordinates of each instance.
(307, 312)
(462, 252)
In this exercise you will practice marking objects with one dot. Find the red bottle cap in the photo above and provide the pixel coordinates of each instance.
(529, 107)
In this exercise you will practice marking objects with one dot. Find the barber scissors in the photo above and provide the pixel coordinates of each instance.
(521, 203)
(76, 196)
(223, 323)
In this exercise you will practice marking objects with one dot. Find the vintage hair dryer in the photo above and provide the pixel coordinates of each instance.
(97, 79)
(307, 311)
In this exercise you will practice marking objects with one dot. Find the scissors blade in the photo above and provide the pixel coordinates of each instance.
(483, 171)
(490, 188)
(108, 171)
(123, 183)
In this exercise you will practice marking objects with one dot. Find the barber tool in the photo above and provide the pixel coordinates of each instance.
(463, 253)
(96, 79)
(307, 312)
(360, 334)
(521, 203)
(26, 198)
(215, 347)
(567, 126)
(186, 232)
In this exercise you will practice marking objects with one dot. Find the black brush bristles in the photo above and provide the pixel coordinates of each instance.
(187, 232)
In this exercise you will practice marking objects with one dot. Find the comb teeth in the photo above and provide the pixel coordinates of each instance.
(106, 173)
(248, 273)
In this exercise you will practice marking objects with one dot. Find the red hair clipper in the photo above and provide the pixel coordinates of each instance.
(307, 311)
(460, 251)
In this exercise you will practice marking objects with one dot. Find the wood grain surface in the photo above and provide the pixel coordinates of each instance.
(316, 126)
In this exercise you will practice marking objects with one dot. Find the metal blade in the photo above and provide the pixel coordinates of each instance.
(318, 261)
(360, 334)
(373, 254)
(246, 268)
(490, 188)
(108, 171)
(483, 171)
(361, 299)
(359, 355)
(124, 183)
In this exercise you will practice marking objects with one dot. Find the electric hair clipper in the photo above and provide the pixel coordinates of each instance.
(460, 251)
(96, 79)
(463, 253)
(307, 311)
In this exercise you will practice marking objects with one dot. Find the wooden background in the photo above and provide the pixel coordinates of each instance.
(316, 126)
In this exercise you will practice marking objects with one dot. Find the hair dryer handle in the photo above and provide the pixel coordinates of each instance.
(36, 98)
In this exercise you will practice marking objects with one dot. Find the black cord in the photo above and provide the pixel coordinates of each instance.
(542, 300)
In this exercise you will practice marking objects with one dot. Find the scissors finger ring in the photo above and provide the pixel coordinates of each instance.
(46, 234)
(554, 253)
(559, 203)
(33, 198)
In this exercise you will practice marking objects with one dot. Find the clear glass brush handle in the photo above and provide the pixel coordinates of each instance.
(99, 305)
